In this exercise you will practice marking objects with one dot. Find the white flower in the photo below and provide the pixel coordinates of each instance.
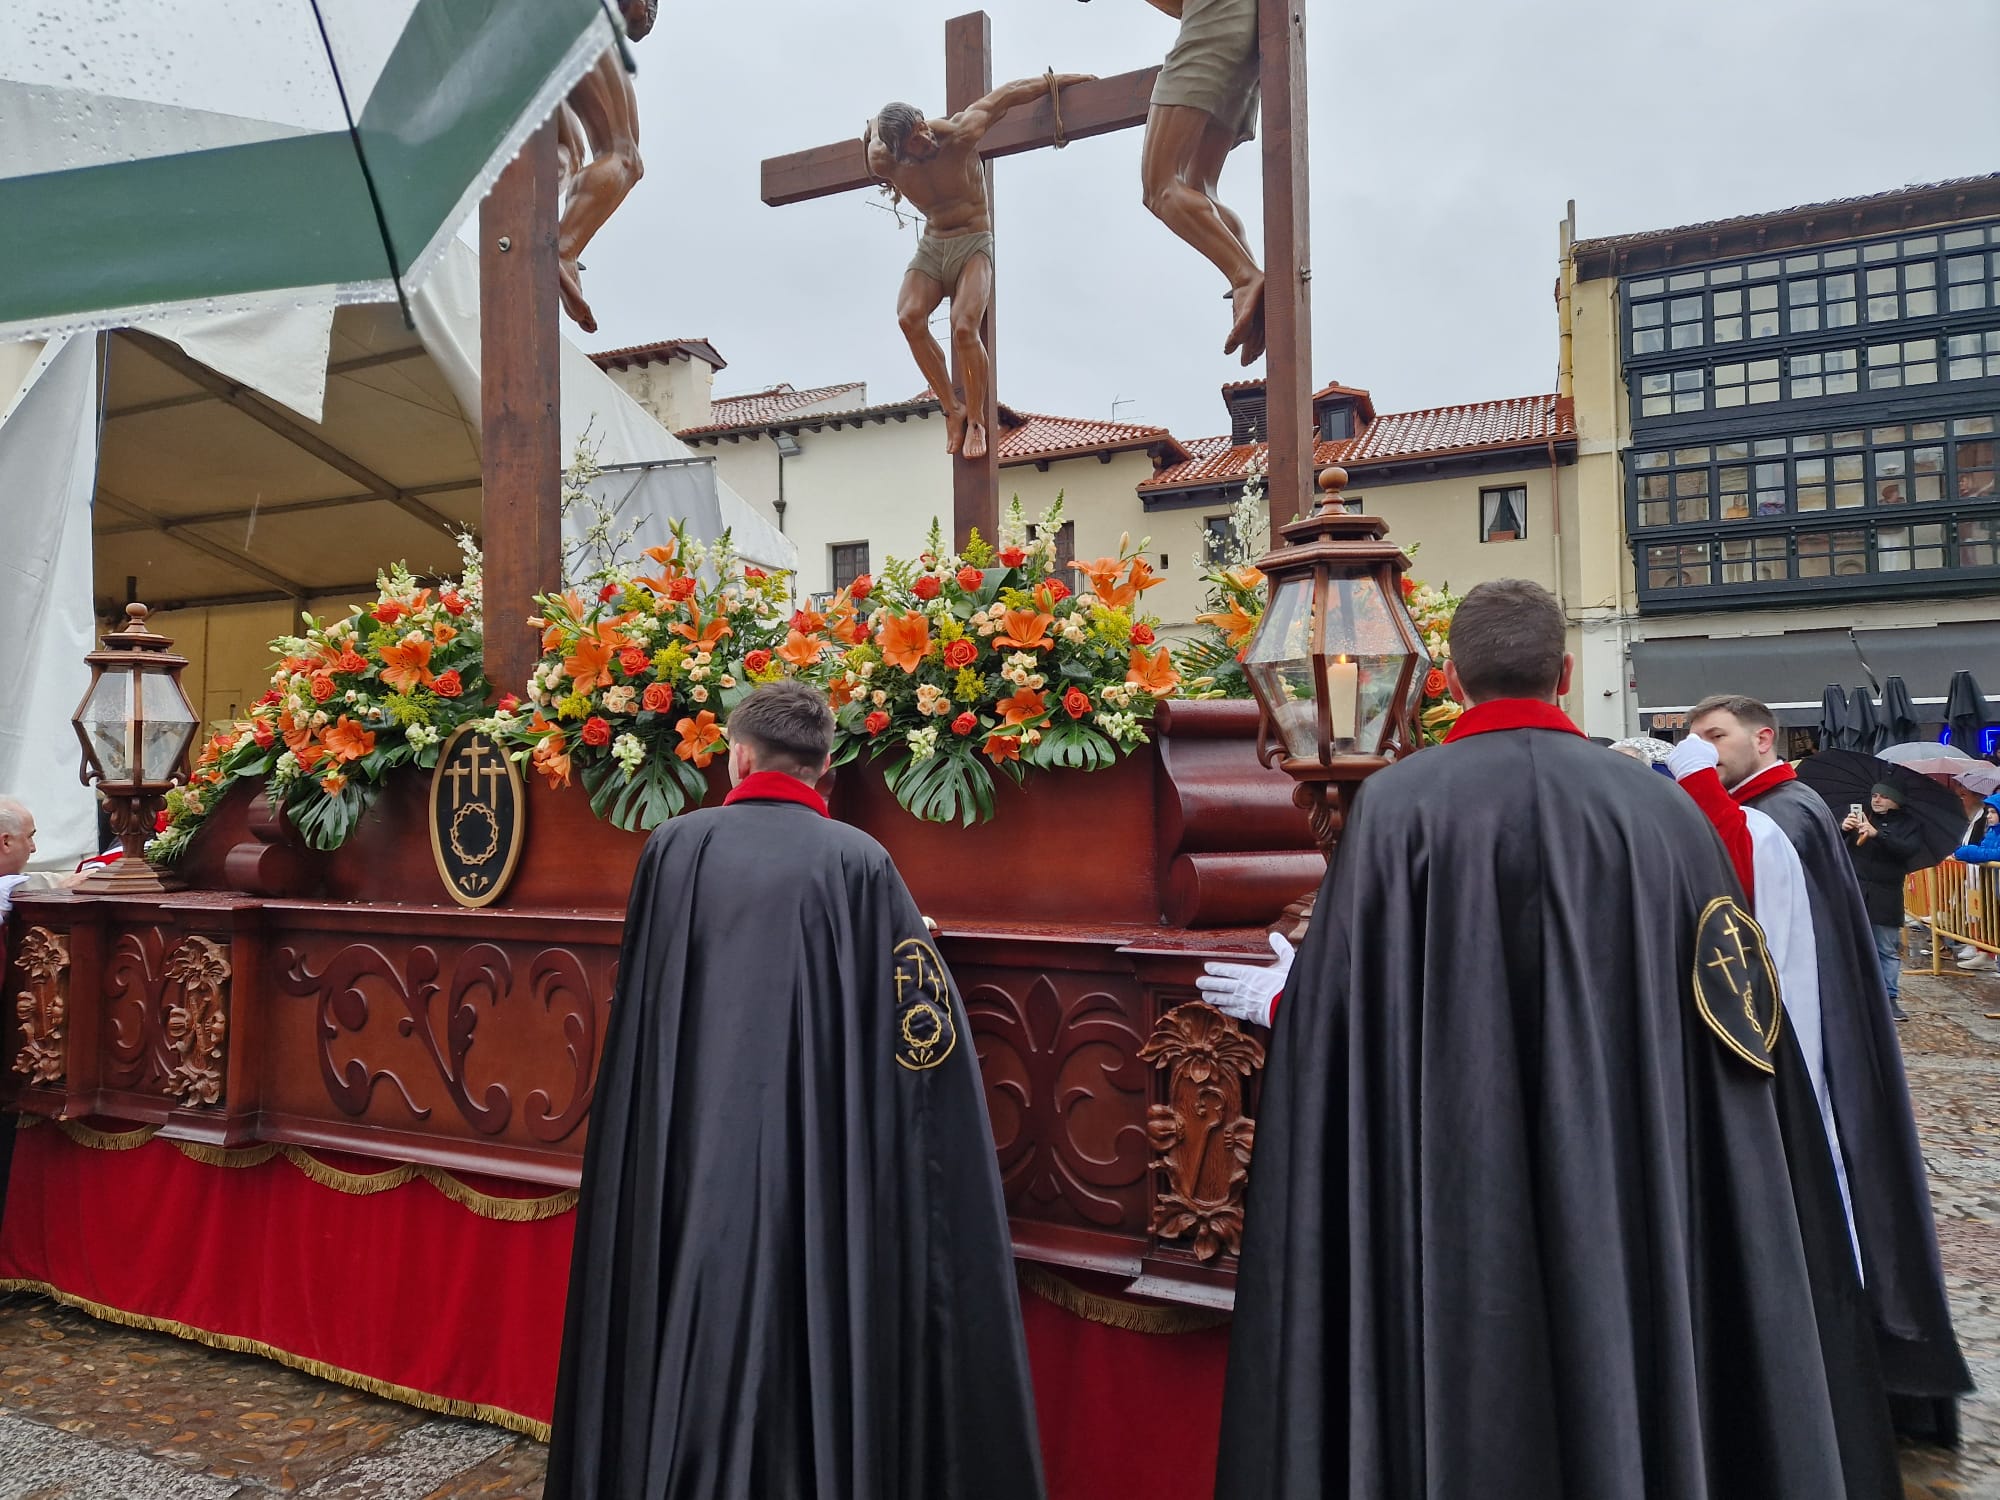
(422, 736)
(619, 699)
(922, 742)
(629, 752)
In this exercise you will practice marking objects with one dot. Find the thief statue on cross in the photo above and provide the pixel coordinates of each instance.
(936, 165)
(1204, 106)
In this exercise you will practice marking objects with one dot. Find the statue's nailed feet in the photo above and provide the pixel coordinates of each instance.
(1246, 332)
(974, 445)
(954, 429)
(571, 284)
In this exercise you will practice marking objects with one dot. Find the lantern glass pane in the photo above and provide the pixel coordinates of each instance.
(106, 718)
(1278, 663)
(166, 727)
(1366, 655)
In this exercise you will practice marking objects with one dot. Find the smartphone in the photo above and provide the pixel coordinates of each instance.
(1854, 809)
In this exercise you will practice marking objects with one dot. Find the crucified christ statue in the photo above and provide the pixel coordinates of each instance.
(597, 155)
(936, 165)
(1204, 107)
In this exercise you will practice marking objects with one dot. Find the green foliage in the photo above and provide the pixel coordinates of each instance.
(659, 789)
(1074, 746)
(325, 822)
(950, 786)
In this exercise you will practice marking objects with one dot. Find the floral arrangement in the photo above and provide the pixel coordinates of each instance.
(987, 662)
(1211, 661)
(639, 670)
(350, 700)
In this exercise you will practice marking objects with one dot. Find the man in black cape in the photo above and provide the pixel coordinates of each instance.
(792, 1275)
(1520, 1223)
(1890, 1190)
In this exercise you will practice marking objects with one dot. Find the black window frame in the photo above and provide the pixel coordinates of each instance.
(1520, 511)
(833, 554)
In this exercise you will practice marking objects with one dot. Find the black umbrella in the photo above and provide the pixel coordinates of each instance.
(1965, 711)
(1899, 714)
(1867, 726)
(1836, 730)
(1847, 777)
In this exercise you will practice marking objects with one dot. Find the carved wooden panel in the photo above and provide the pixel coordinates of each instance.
(498, 1038)
(42, 1007)
(1202, 1136)
(137, 1053)
(197, 1020)
(1065, 1091)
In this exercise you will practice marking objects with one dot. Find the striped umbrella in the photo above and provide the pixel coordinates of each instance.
(216, 155)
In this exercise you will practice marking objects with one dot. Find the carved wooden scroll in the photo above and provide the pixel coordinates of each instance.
(198, 1022)
(1202, 1136)
(43, 1007)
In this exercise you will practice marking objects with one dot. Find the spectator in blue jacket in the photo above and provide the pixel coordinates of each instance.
(1987, 850)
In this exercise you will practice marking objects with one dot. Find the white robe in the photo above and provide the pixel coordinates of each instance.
(1785, 913)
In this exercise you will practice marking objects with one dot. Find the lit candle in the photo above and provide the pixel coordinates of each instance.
(1343, 685)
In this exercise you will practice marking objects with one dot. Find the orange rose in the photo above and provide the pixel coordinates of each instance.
(1435, 684)
(960, 653)
(658, 698)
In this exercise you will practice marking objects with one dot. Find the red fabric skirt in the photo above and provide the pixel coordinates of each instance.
(413, 1295)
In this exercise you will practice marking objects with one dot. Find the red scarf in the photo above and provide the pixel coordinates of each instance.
(1764, 781)
(1511, 713)
(775, 786)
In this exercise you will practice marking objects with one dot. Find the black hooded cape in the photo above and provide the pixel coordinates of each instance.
(1521, 1223)
(1871, 1105)
(792, 1273)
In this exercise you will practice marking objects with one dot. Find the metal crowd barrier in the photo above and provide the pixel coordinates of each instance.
(1960, 904)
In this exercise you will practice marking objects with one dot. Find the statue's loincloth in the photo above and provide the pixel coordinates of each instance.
(1213, 64)
(943, 257)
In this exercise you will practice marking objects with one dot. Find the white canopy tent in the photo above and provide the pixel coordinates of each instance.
(273, 458)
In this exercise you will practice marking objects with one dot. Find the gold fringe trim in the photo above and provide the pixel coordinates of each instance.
(498, 1416)
(1115, 1312)
(358, 1184)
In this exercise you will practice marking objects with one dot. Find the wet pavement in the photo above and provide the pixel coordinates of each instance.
(96, 1411)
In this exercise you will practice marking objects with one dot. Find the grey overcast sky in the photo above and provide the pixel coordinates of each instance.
(1447, 135)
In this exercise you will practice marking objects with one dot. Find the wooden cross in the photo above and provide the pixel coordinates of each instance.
(1088, 109)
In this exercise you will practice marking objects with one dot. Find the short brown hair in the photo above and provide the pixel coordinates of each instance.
(1748, 712)
(787, 725)
(1507, 641)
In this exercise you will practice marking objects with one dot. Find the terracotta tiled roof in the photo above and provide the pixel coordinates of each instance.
(1828, 210)
(1044, 437)
(759, 408)
(1437, 432)
(664, 350)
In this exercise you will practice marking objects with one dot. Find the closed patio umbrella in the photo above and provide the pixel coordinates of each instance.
(1836, 729)
(1868, 731)
(1965, 711)
(1899, 714)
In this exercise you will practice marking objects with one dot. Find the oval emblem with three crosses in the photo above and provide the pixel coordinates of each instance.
(1736, 984)
(479, 814)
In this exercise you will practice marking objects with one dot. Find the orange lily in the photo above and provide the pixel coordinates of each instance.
(698, 739)
(703, 637)
(346, 740)
(664, 556)
(1245, 578)
(1003, 747)
(1024, 630)
(589, 663)
(841, 690)
(1141, 578)
(334, 785)
(1236, 625)
(1026, 704)
(1154, 674)
(846, 627)
(801, 650)
(1103, 574)
(299, 740)
(905, 640)
(808, 620)
(407, 667)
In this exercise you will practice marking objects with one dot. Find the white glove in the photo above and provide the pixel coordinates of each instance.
(1691, 755)
(1249, 992)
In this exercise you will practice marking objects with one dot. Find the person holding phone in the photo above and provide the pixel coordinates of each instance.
(1881, 839)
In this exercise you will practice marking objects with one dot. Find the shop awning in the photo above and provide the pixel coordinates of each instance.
(1789, 671)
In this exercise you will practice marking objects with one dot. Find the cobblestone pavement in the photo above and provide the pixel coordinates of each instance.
(94, 1411)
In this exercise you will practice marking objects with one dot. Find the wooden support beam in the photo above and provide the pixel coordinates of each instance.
(521, 425)
(975, 482)
(292, 588)
(1109, 104)
(267, 415)
(1288, 376)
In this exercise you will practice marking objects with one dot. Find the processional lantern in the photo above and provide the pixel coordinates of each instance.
(135, 725)
(1337, 664)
